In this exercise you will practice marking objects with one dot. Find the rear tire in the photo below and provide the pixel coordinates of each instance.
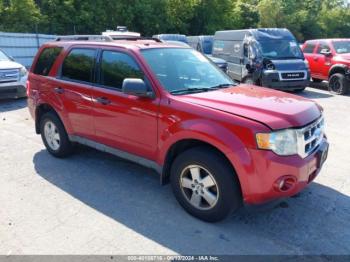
(54, 135)
(338, 84)
(205, 185)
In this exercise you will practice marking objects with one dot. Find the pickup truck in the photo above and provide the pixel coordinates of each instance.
(329, 59)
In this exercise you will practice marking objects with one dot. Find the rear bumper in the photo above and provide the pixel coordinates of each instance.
(273, 80)
(13, 89)
(267, 168)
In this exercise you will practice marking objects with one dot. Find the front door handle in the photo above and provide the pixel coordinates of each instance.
(103, 100)
(59, 90)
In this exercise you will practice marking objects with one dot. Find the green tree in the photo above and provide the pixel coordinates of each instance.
(19, 15)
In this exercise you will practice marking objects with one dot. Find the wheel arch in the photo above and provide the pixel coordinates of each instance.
(181, 146)
(40, 111)
(338, 68)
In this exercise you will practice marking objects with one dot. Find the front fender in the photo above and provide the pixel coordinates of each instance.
(218, 136)
(339, 67)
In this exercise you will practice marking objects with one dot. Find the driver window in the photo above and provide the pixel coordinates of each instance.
(322, 46)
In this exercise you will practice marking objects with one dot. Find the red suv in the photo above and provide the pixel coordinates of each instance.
(169, 108)
(329, 59)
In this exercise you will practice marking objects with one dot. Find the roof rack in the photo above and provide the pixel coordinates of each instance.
(97, 38)
(137, 38)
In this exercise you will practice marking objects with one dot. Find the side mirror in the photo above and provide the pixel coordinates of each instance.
(326, 52)
(136, 87)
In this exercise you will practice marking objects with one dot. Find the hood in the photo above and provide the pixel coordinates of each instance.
(9, 65)
(342, 57)
(276, 109)
(290, 64)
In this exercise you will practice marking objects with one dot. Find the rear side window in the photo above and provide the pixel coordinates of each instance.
(309, 48)
(115, 67)
(79, 65)
(46, 60)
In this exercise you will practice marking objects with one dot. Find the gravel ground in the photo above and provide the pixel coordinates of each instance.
(95, 203)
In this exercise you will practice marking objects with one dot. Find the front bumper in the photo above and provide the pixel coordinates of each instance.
(273, 80)
(15, 89)
(270, 167)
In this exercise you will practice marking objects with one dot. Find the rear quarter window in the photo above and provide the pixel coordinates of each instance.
(46, 60)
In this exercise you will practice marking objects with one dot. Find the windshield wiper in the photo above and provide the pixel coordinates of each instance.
(221, 86)
(190, 90)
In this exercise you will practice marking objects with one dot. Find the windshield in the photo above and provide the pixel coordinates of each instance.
(341, 47)
(280, 49)
(3, 57)
(184, 69)
(207, 47)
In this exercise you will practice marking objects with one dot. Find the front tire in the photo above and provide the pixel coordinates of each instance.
(205, 185)
(338, 84)
(54, 135)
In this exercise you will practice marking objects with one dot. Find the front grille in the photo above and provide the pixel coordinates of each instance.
(9, 75)
(310, 137)
(292, 75)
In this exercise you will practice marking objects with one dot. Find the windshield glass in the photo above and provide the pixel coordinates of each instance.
(182, 69)
(341, 47)
(280, 49)
(3, 57)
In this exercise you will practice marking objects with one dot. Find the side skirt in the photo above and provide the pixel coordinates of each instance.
(122, 154)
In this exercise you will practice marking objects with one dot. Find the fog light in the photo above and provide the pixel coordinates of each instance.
(285, 183)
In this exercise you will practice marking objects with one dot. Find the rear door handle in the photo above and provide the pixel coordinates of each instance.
(59, 90)
(103, 100)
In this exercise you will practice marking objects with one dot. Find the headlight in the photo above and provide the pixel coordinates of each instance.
(284, 143)
(307, 64)
(22, 71)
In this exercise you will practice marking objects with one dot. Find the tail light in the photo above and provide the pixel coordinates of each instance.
(28, 87)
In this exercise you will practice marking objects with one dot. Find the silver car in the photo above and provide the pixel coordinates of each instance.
(13, 77)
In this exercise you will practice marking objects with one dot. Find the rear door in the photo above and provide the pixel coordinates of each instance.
(122, 121)
(308, 50)
(73, 87)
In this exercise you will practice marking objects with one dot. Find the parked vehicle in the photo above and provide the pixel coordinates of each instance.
(168, 108)
(171, 37)
(221, 63)
(329, 59)
(13, 77)
(202, 43)
(121, 33)
(269, 57)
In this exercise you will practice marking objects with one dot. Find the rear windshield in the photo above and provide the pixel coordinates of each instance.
(46, 60)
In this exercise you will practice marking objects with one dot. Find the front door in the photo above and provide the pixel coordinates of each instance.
(125, 122)
(324, 61)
